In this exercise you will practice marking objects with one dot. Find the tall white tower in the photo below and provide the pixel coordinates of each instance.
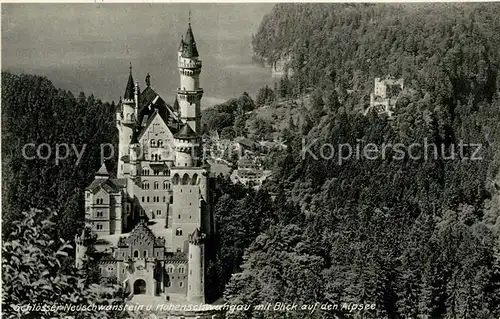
(125, 122)
(189, 93)
(196, 266)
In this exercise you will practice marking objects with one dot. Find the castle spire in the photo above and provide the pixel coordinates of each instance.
(129, 91)
(103, 171)
(190, 50)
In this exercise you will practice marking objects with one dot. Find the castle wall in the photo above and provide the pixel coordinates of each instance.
(177, 277)
(155, 203)
(115, 215)
(142, 271)
(186, 214)
(124, 137)
(196, 282)
(157, 140)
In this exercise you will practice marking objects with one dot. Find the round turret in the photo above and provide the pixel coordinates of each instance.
(196, 265)
(189, 93)
(187, 145)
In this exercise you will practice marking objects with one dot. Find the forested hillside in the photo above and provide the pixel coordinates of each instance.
(433, 47)
(417, 237)
(42, 199)
(34, 111)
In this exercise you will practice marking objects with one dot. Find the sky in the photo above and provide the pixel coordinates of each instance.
(88, 47)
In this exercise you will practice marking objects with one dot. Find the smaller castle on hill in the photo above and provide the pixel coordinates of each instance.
(385, 94)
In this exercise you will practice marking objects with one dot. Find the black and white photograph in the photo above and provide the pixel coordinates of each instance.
(250, 160)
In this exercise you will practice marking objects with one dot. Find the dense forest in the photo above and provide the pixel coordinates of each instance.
(42, 199)
(419, 238)
(433, 47)
(35, 112)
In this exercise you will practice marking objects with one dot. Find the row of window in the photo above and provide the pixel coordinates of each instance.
(170, 268)
(156, 185)
(144, 254)
(156, 199)
(146, 171)
(186, 180)
(155, 143)
(99, 201)
(181, 284)
(156, 157)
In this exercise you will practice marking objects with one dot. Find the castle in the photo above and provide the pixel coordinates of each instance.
(384, 96)
(154, 221)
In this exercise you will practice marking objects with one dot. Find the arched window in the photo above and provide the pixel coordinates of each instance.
(136, 253)
(99, 226)
(170, 269)
(181, 270)
(195, 180)
(178, 250)
(185, 179)
(145, 185)
(145, 171)
(153, 143)
(158, 212)
(157, 185)
(160, 143)
(165, 185)
(156, 171)
(175, 179)
(145, 254)
(166, 172)
(178, 232)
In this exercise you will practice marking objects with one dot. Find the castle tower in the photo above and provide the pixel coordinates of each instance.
(196, 266)
(187, 147)
(125, 122)
(189, 93)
